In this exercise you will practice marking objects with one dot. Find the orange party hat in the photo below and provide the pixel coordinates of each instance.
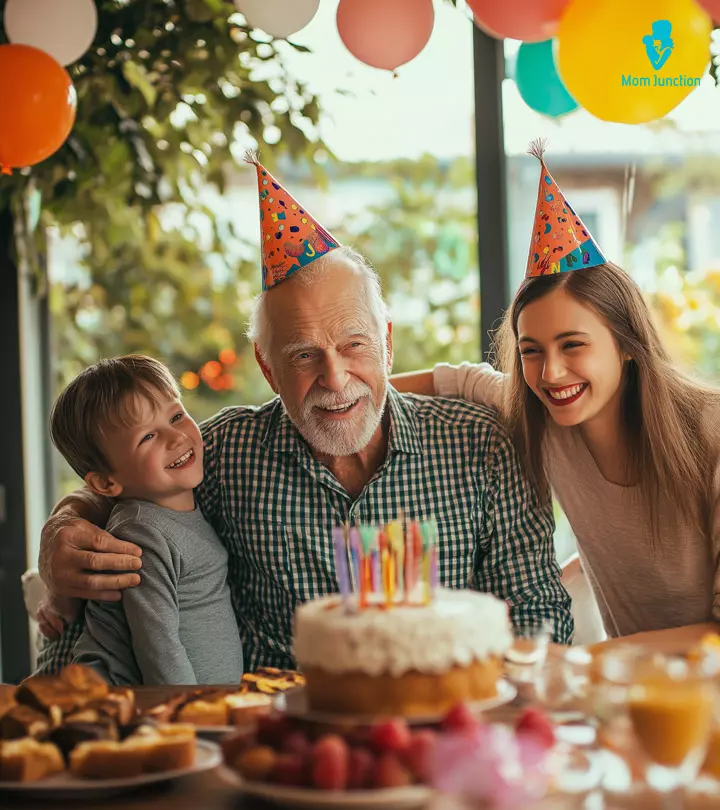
(290, 237)
(560, 241)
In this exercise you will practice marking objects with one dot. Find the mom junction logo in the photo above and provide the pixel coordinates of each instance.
(659, 46)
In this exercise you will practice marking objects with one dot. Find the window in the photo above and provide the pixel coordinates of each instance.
(402, 191)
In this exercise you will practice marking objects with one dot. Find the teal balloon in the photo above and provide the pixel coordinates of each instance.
(538, 81)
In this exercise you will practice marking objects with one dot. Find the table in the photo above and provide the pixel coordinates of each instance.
(211, 791)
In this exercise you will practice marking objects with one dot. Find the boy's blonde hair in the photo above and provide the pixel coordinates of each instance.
(100, 397)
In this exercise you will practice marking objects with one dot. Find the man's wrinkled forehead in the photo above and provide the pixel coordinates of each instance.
(322, 310)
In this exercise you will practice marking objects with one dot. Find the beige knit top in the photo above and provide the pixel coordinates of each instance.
(639, 584)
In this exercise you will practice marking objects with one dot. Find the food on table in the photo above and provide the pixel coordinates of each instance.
(76, 720)
(91, 728)
(27, 760)
(150, 749)
(119, 703)
(270, 680)
(71, 733)
(288, 751)
(74, 687)
(212, 706)
(7, 698)
(407, 659)
(297, 752)
(22, 721)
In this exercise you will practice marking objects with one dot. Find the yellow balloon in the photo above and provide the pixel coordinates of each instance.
(632, 61)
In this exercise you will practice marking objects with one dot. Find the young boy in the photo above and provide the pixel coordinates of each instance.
(122, 428)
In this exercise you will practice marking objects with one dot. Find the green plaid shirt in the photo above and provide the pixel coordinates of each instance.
(274, 507)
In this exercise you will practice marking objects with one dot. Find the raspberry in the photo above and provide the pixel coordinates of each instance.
(459, 718)
(296, 743)
(535, 723)
(418, 756)
(361, 764)
(272, 729)
(394, 735)
(288, 770)
(330, 757)
(390, 772)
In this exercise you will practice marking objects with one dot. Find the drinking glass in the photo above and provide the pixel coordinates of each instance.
(670, 706)
(528, 652)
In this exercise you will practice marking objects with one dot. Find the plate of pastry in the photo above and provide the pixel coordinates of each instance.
(102, 767)
(71, 735)
(217, 711)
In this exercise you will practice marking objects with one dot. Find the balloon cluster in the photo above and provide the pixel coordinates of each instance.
(382, 33)
(38, 98)
(604, 55)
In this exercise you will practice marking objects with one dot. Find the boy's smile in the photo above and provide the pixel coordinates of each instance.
(155, 453)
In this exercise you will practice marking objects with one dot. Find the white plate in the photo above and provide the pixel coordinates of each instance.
(294, 704)
(406, 798)
(66, 786)
(580, 773)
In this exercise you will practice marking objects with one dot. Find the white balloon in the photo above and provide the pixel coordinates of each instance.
(279, 18)
(63, 28)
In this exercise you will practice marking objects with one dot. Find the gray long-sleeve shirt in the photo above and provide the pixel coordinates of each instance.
(178, 625)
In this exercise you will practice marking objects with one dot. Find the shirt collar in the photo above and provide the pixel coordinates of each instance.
(283, 437)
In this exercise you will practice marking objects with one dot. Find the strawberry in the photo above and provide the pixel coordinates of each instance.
(393, 735)
(418, 756)
(390, 772)
(329, 761)
(535, 723)
(459, 718)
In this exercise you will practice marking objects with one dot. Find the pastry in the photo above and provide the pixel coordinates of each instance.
(28, 760)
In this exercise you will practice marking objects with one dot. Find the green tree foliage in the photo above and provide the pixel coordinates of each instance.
(421, 235)
(164, 94)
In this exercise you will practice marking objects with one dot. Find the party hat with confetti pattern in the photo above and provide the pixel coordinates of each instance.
(560, 241)
(291, 238)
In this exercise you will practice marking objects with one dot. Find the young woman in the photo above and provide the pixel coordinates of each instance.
(628, 445)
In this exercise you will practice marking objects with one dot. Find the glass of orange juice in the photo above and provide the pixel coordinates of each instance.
(670, 705)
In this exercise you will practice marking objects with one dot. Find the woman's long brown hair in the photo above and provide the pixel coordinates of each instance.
(671, 445)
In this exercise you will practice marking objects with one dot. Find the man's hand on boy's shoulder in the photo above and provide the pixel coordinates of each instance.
(81, 560)
(55, 612)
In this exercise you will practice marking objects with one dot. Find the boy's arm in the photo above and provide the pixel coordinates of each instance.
(153, 612)
(519, 565)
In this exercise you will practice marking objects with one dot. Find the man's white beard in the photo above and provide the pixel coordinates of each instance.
(335, 437)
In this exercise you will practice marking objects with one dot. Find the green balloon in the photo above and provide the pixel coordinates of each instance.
(538, 81)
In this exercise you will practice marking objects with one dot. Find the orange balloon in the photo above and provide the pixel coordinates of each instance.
(385, 33)
(37, 106)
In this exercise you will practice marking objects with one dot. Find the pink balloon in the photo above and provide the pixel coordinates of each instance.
(385, 33)
(528, 20)
(712, 7)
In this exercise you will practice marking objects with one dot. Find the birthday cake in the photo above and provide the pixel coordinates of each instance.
(401, 660)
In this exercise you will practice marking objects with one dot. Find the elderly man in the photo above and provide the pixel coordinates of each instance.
(338, 444)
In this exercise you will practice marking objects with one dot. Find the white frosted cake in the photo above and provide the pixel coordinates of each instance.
(404, 660)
